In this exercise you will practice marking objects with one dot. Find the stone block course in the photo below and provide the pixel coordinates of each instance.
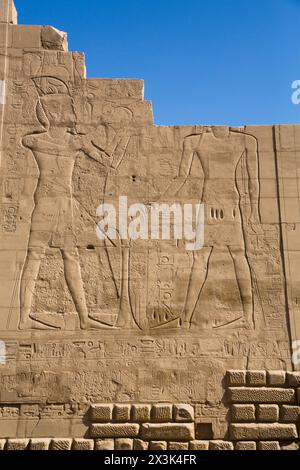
(258, 431)
(114, 430)
(261, 395)
(168, 432)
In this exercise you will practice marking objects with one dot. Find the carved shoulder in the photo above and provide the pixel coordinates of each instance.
(251, 143)
(192, 142)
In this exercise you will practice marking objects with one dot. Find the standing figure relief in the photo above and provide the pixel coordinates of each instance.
(52, 225)
(220, 152)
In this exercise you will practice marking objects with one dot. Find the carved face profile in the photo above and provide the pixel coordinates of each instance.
(59, 110)
(55, 106)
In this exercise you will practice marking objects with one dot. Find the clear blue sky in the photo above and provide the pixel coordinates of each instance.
(203, 61)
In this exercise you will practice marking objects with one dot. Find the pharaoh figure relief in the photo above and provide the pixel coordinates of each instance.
(52, 223)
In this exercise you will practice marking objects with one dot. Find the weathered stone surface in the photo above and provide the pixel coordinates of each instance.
(121, 413)
(161, 413)
(199, 445)
(246, 432)
(261, 395)
(101, 413)
(245, 445)
(290, 446)
(83, 444)
(158, 445)
(268, 413)
(39, 444)
(16, 444)
(124, 444)
(276, 378)
(268, 445)
(138, 444)
(114, 430)
(293, 379)
(290, 414)
(167, 432)
(54, 39)
(88, 320)
(61, 444)
(243, 413)
(8, 12)
(220, 445)
(254, 378)
(236, 378)
(2, 444)
(178, 446)
(104, 444)
(183, 413)
(140, 413)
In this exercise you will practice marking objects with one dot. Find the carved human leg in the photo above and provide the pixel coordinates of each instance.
(75, 284)
(28, 282)
(244, 281)
(196, 283)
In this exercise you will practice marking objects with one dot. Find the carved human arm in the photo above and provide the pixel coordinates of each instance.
(190, 149)
(92, 151)
(252, 169)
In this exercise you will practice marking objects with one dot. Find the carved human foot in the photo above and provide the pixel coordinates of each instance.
(32, 324)
(90, 323)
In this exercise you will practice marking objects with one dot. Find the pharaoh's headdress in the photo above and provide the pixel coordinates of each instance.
(50, 86)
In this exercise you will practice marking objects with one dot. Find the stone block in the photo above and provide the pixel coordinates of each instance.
(104, 444)
(39, 444)
(290, 414)
(140, 413)
(138, 444)
(245, 445)
(2, 444)
(158, 445)
(17, 444)
(124, 444)
(268, 413)
(121, 413)
(199, 445)
(290, 446)
(276, 378)
(178, 446)
(83, 444)
(183, 413)
(161, 413)
(220, 445)
(293, 379)
(236, 378)
(168, 432)
(61, 444)
(261, 395)
(116, 430)
(268, 445)
(256, 378)
(243, 413)
(249, 432)
(101, 413)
